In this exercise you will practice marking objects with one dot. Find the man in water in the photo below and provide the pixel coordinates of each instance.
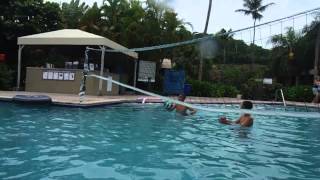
(316, 90)
(245, 120)
(181, 108)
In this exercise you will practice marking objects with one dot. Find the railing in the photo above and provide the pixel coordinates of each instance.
(282, 97)
(283, 100)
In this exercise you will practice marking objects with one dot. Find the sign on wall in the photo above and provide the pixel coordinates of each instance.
(58, 75)
(109, 84)
(147, 71)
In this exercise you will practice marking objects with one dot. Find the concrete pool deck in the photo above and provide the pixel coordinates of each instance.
(72, 100)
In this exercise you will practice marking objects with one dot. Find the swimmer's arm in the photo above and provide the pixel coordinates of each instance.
(223, 120)
(173, 107)
(237, 121)
(192, 111)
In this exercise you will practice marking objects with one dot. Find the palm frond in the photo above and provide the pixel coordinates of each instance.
(264, 7)
(256, 15)
(188, 23)
(247, 3)
(278, 40)
(255, 4)
(245, 11)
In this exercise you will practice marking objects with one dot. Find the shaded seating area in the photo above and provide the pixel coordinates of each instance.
(67, 80)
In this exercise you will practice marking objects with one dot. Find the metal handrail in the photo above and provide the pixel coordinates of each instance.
(282, 97)
(283, 100)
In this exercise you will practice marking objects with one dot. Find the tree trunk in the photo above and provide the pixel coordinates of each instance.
(316, 56)
(297, 80)
(200, 67)
(254, 31)
(253, 41)
(208, 17)
(205, 32)
(224, 55)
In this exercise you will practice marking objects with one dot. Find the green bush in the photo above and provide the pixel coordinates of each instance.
(206, 89)
(5, 77)
(236, 75)
(300, 93)
(256, 90)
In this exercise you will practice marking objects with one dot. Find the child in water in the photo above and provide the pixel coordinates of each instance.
(245, 120)
(181, 108)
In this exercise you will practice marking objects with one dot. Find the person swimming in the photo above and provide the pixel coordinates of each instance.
(245, 120)
(181, 108)
(316, 90)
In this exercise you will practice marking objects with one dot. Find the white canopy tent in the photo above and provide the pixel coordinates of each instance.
(72, 37)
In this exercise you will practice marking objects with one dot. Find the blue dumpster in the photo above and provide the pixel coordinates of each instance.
(187, 89)
(173, 82)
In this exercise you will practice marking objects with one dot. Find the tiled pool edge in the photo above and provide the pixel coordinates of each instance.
(102, 104)
(92, 105)
(137, 99)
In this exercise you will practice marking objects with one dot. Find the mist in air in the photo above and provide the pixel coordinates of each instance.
(208, 48)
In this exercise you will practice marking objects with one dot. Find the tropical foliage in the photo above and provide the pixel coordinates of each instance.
(255, 9)
(300, 93)
(227, 62)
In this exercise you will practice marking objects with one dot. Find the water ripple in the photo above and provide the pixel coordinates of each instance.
(146, 142)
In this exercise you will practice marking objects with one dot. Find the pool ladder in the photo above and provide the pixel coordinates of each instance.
(284, 101)
(282, 97)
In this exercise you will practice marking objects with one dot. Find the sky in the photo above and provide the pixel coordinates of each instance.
(223, 15)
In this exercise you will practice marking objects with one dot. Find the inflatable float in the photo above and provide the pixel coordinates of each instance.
(35, 99)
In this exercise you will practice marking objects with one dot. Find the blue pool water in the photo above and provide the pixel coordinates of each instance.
(134, 141)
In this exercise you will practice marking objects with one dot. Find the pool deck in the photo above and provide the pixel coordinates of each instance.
(72, 100)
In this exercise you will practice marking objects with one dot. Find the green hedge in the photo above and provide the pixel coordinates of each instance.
(251, 90)
(206, 89)
(256, 90)
(300, 93)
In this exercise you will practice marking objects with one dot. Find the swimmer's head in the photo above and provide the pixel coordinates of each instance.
(182, 97)
(247, 115)
(246, 105)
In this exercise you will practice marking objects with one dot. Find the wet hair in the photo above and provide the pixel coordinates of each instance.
(246, 105)
(182, 96)
(247, 115)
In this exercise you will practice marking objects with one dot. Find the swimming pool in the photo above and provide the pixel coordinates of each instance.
(134, 141)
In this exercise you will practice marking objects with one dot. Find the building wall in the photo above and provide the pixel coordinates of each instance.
(36, 83)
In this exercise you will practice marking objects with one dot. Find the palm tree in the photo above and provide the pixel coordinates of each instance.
(91, 20)
(224, 37)
(254, 8)
(205, 32)
(72, 13)
(286, 45)
(286, 41)
(208, 17)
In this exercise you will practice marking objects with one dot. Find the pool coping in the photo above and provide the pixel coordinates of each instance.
(75, 105)
(71, 100)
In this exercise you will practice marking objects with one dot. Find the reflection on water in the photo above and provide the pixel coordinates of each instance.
(134, 141)
(242, 132)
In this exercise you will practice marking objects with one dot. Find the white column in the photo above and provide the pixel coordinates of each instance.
(101, 68)
(19, 66)
(135, 73)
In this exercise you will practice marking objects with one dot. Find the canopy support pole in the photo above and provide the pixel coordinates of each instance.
(19, 66)
(135, 73)
(103, 51)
